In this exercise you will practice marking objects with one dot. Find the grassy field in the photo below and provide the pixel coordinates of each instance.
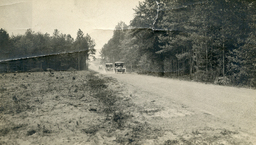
(64, 108)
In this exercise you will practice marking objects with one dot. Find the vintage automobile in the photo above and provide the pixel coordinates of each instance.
(109, 67)
(119, 67)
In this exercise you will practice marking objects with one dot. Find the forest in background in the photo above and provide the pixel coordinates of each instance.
(37, 52)
(207, 40)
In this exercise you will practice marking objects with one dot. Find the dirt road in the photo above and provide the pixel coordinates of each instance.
(234, 107)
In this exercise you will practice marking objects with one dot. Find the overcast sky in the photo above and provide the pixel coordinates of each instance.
(98, 18)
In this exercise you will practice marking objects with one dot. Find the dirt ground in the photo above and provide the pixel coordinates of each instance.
(84, 107)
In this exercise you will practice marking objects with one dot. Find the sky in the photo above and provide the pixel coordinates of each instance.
(98, 18)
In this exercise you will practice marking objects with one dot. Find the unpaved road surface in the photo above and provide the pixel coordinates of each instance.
(237, 106)
(203, 105)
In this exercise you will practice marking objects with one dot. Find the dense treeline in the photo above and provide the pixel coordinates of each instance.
(37, 51)
(206, 40)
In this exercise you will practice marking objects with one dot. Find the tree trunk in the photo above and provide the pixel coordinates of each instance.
(223, 70)
(177, 67)
(171, 66)
(206, 59)
(191, 64)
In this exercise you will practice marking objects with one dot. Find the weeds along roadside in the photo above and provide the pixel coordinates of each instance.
(108, 100)
(119, 110)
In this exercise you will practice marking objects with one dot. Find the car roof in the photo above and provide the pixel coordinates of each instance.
(119, 62)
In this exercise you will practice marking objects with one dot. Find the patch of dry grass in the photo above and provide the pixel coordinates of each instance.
(46, 107)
